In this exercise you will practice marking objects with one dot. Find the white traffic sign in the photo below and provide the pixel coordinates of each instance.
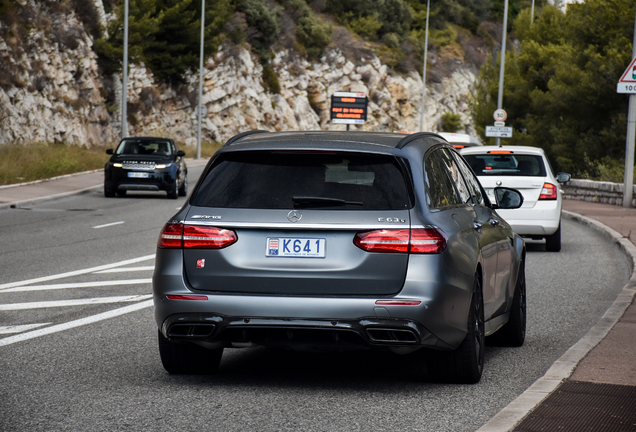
(499, 131)
(500, 115)
(498, 123)
(627, 83)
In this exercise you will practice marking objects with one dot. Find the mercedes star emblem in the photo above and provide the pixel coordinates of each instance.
(294, 216)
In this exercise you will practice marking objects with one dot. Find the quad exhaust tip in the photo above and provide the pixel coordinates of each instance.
(388, 335)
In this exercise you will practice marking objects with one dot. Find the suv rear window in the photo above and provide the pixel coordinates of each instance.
(507, 164)
(283, 180)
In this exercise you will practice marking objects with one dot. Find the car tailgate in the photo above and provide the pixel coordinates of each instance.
(308, 252)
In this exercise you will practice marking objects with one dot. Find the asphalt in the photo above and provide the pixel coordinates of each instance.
(592, 387)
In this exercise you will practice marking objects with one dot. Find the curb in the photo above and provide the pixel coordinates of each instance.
(564, 366)
(17, 204)
(50, 179)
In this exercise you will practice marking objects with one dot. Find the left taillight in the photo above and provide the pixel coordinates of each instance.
(183, 236)
(548, 192)
(416, 241)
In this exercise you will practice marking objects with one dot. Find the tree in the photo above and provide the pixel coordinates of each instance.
(560, 88)
(164, 35)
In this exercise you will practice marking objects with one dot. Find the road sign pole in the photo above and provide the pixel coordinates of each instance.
(629, 152)
(629, 146)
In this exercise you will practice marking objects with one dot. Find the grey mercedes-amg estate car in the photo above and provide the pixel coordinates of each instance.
(340, 240)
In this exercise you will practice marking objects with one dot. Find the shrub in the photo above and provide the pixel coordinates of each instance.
(270, 79)
(314, 34)
(263, 25)
(450, 122)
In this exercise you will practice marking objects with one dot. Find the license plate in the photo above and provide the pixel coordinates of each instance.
(138, 175)
(295, 247)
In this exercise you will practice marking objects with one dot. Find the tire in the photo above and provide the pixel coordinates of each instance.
(183, 190)
(188, 358)
(513, 333)
(121, 193)
(553, 242)
(464, 365)
(108, 193)
(174, 193)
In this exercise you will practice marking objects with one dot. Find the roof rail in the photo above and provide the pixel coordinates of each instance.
(242, 135)
(412, 137)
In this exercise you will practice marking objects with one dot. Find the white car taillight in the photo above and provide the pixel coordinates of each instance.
(548, 192)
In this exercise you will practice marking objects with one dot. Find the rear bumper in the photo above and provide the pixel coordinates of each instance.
(541, 220)
(239, 332)
(437, 319)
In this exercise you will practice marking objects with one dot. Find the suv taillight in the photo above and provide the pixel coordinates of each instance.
(179, 236)
(548, 192)
(417, 241)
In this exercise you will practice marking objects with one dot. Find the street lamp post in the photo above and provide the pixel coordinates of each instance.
(200, 106)
(428, 5)
(502, 62)
(124, 90)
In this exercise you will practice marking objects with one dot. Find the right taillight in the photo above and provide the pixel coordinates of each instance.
(417, 241)
(180, 236)
(548, 192)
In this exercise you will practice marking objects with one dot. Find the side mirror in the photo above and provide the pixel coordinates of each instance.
(507, 198)
(181, 153)
(109, 151)
(563, 177)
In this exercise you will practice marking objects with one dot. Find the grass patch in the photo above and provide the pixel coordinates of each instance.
(24, 163)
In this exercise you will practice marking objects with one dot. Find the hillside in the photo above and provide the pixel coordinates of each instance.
(59, 80)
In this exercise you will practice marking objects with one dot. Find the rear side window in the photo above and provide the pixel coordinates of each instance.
(284, 180)
(507, 164)
(441, 192)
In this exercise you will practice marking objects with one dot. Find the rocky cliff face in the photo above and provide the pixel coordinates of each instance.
(59, 96)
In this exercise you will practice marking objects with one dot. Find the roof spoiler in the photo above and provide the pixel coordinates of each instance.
(242, 135)
(409, 138)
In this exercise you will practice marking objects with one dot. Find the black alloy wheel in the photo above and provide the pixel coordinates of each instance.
(183, 190)
(174, 192)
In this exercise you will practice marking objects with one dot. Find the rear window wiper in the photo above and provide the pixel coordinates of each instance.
(310, 201)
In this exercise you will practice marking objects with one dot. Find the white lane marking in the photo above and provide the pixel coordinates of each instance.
(77, 302)
(20, 328)
(77, 285)
(75, 273)
(127, 269)
(108, 224)
(77, 323)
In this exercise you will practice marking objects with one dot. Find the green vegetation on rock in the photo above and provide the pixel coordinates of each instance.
(560, 87)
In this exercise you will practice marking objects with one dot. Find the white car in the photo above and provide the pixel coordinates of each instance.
(460, 140)
(528, 170)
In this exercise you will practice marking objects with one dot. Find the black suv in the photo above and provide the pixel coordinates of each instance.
(146, 164)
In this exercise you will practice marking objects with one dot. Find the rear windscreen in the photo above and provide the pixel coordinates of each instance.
(284, 180)
(507, 164)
